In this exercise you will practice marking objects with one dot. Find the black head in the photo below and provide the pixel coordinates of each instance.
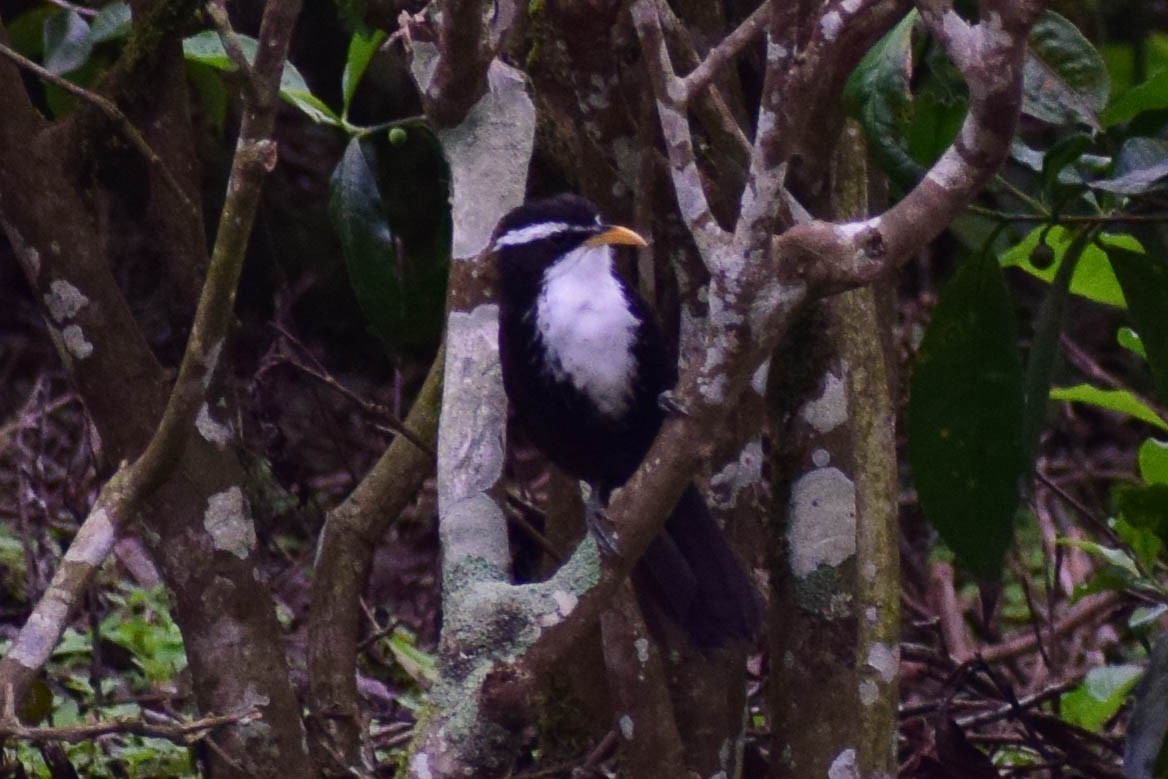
(536, 234)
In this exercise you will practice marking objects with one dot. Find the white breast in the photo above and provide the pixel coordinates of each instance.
(587, 328)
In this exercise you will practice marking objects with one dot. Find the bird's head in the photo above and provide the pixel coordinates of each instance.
(537, 234)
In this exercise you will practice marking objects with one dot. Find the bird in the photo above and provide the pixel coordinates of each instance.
(588, 376)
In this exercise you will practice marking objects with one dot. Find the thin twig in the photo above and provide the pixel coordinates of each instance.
(390, 423)
(1096, 521)
(1085, 219)
(184, 733)
(1084, 611)
(217, 10)
(120, 120)
(521, 504)
(1028, 702)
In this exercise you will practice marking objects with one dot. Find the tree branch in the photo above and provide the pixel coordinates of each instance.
(990, 55)
(723, 54)
(671, 112)
(460, 72)
(344, 556)
(115, 504)
(217, 10)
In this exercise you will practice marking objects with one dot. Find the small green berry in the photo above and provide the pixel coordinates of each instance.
(1042, 256)
(397, 136)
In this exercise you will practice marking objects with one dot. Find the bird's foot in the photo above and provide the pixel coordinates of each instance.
(600, 524)
(668, 402)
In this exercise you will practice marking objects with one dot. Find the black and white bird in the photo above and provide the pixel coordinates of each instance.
(584, 367)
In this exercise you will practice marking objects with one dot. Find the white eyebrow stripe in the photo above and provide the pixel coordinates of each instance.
(536, 232)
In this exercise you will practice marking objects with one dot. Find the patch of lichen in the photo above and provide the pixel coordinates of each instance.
(824, 592)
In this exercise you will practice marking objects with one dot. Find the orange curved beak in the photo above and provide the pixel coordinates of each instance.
(616, 235)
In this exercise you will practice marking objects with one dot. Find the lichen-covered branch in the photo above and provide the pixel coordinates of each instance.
(723, 54)
(669, 92)
(990, 56)
(38, 637)
(641, 705)
(488, 151)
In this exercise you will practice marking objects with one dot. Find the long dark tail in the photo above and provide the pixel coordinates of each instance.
(693, 575)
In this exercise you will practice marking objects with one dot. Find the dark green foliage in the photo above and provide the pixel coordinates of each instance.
(394, 226)
(1144, 278)
(965, 417)
(878, 96)
(370, 252)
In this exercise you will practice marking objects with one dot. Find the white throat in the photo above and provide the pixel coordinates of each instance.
(586, 325)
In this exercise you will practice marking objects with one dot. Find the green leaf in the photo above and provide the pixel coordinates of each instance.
(111, 23)
(1148, 95)
(878, 96)
(212, 93)
(141, 624)
(362, 46)
(1120, 401)
(67, 43)
(1129, 339)
(965, 439)
(206, 48)
(1143, 519)
(1141, 166)
(414, 180)
(37, 703)
(1103, 691)
(1048, 324)
(357, 213)
(1118, 559)
(1141, 525)
(1146, 616)
(294, 89)
(1144, 279)
(26, 32)
(1057, 163)
(1093, 277)
(936, 120)
(1105, 579)
(421, 666)
(1153, 459)
(376, 196)
(1064, 78)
